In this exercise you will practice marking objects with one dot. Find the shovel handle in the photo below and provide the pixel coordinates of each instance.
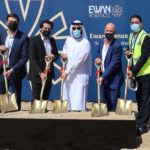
(129, 59)
(1, 53)
(98, 66)
(4, 67)
(5, 53)
(62, 82)
(61, 89)
(47, 61)
(126, 81)
(64, 61)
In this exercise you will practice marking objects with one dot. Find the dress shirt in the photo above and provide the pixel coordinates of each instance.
(47, 45)
(9, 43)
(104, 53)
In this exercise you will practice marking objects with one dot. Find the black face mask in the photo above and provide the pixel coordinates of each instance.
(109, 36)
(13, 26)
(46, 33)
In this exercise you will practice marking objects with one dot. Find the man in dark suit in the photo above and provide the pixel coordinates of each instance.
(109, 55)
(40, 46)
(15, 43)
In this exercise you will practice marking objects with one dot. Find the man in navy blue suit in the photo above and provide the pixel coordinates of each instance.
(109, 55)
(15, 43)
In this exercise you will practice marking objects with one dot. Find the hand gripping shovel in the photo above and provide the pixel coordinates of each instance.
(39, 106)
(99, 109)
(8, 100)
(124, 106)
(61, 106)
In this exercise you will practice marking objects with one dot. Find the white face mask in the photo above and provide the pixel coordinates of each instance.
(76, 34)
(135, 27)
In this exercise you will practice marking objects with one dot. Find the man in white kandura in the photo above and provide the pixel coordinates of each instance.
(77, 51)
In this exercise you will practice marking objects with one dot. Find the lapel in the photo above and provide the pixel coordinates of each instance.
(3, 37)
(15, 42)
(109, 52)
(101, 48)
(41, 44)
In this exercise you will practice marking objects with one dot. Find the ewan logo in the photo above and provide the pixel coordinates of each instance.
(99, 11)
(104, 11)
(117, 11)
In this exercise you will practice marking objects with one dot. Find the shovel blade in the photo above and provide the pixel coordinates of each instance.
(124, 108)
(44, 106)
(104, 109)
(0, 102)
(120, 106)
(99, 110)
(8, 102)
(36, 107)
(60, 106)
(128, 107)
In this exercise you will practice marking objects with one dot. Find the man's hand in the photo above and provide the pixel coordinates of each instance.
(130, 74)
(128, 53)
(64, 56)
(3, 48)
(98, 61)
(64, 76)
(99, 81)
(43, 76)
(51, 56)
(8, 73)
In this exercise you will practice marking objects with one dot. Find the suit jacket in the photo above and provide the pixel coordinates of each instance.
(37, 57)
(113, 75)
(19, 53)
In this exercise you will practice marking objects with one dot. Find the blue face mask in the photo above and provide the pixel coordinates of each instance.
(76, 34)
(135, 27)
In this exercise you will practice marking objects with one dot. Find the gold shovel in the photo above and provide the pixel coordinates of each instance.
(124, 106)
(99, 109)
(61, 106)
(7, 100)
(39, 106)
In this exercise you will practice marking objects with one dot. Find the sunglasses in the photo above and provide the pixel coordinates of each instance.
(76, 28)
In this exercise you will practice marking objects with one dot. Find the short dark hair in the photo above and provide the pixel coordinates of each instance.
(136, 16)
(12, 15)
(46, 21)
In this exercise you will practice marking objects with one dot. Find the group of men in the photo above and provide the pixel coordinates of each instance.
(77, 52)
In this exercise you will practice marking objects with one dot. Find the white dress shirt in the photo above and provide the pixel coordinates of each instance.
(104, 53)
(47, 45)
(9, 43)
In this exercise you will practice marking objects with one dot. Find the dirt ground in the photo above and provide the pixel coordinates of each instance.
(24, 113)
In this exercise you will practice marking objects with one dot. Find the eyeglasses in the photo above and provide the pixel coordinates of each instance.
(76, 28)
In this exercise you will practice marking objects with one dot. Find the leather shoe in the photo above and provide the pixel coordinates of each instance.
(141, 131)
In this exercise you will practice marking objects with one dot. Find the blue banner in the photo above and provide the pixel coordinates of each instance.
(95, 14)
